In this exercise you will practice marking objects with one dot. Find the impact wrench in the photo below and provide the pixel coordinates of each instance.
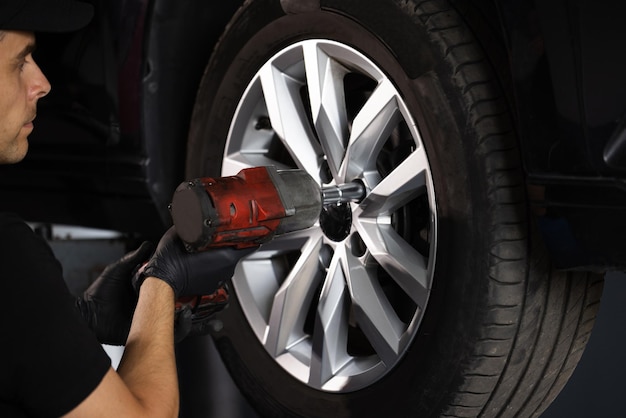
(247, 210)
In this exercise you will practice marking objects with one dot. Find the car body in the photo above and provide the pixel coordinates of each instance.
(155, 91)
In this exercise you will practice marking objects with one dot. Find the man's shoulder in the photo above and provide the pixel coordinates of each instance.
(26, 257)
(18, 241)
(8, 217)
(12, 223)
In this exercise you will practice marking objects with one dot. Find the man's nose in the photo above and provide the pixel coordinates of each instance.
(39, 86)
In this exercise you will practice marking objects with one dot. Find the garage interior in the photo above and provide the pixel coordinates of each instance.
(455, 120)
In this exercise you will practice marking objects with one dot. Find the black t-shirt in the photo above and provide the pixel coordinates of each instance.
(50, 361)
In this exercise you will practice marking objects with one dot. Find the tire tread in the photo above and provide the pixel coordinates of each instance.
(509, 382)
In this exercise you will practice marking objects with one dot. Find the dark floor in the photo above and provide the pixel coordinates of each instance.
(598, 385)
(596, 389)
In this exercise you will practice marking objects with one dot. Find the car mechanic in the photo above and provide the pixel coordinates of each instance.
(53, 361)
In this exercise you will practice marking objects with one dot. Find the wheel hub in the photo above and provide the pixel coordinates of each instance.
(336, 221)
(336, 215)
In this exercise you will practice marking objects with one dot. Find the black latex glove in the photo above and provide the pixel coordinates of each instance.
(109, 302)
(191, 273)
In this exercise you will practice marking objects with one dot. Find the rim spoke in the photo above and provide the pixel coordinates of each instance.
(289, 308)
(404, 264)
(288, 118)
(370, 129)
(372, 310)
(330, 336)
(234, 163)
(403, 184)
(325, 83)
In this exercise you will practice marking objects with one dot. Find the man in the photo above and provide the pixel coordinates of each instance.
(52, 364)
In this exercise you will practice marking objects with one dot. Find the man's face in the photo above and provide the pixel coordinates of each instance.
(21, 84)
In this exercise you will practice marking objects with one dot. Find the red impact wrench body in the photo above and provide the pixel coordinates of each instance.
(247, 210)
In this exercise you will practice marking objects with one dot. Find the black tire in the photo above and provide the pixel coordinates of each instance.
(502, 332)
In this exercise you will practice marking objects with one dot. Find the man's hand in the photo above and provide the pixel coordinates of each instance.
(191, 274)
(109, 303)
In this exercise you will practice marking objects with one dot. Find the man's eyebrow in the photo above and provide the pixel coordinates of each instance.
(26, 51)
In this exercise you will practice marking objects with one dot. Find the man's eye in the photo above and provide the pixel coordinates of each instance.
(19, 65)
(22, 63)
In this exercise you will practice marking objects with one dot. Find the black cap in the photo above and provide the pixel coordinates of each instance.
(44, 15)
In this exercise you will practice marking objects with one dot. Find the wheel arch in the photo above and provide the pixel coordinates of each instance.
(178, 43)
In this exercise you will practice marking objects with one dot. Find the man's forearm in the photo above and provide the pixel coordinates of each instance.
(148, 366)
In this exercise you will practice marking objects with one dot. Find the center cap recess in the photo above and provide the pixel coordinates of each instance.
(336, 221)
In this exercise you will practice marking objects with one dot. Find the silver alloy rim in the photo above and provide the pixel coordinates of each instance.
(337, 312)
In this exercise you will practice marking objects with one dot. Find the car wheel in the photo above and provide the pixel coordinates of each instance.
(430, 297)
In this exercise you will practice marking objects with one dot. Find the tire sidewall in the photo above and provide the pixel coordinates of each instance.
(421, 381)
